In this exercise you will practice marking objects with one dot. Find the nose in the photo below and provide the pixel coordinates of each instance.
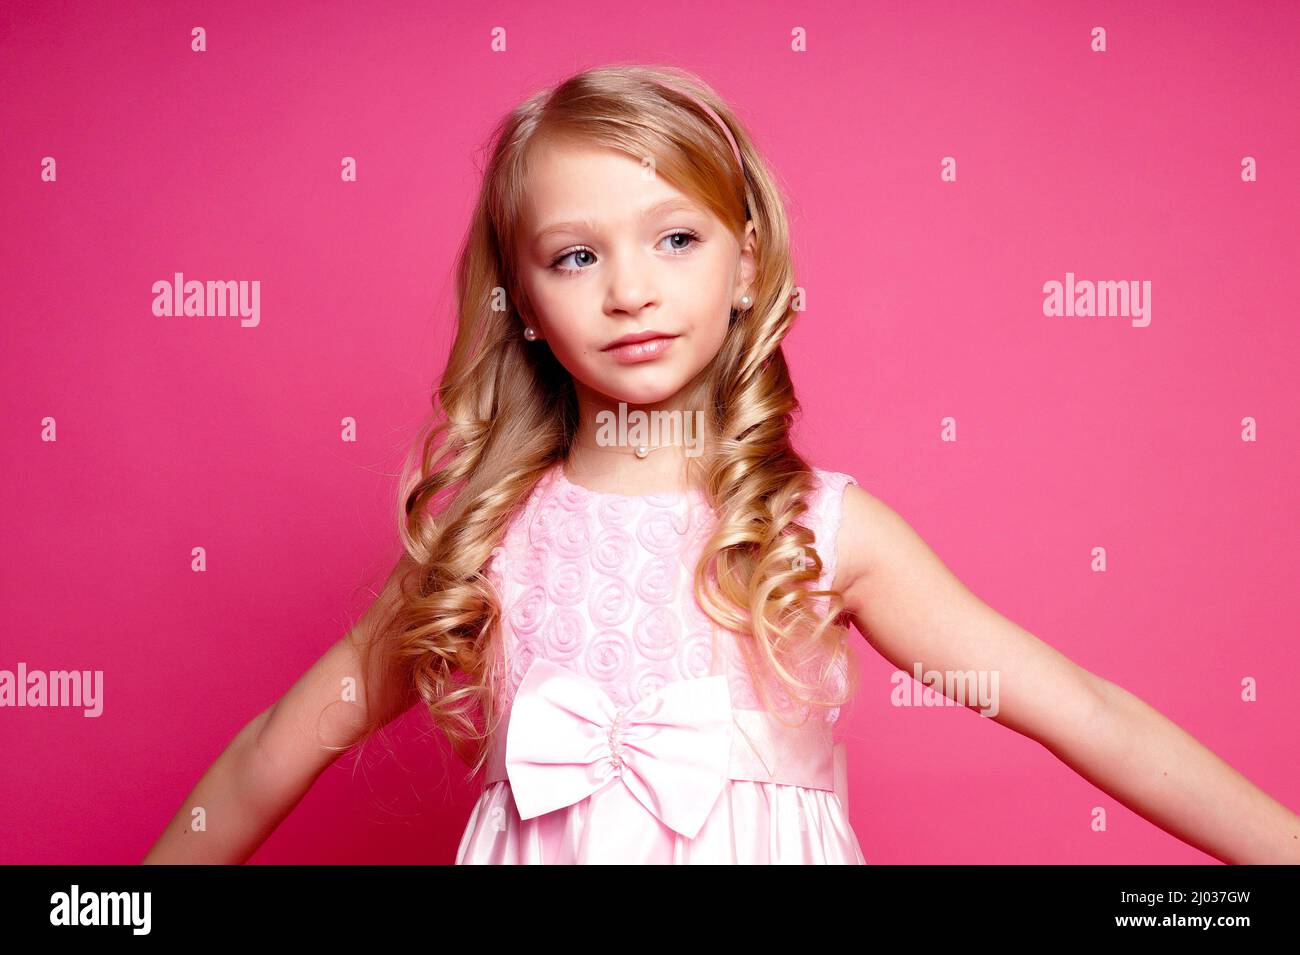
(631, 288)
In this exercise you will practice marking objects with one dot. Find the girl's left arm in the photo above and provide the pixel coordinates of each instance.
(912, 609)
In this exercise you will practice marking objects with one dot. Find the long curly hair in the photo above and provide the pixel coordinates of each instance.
(505, 411)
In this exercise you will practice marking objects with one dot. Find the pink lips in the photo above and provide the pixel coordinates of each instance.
(638, 351)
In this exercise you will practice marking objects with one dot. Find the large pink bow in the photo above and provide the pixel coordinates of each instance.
(567, 739)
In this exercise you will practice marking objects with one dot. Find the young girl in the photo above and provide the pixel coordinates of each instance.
(625, 597)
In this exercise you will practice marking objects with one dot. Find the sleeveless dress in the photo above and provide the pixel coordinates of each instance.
(631, 731)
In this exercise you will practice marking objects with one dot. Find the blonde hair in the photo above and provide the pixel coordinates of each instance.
(506, 411)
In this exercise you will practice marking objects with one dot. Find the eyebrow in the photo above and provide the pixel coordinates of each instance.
(664, 205)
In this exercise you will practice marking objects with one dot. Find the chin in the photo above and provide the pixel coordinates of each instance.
(643, 392)
(645, 396)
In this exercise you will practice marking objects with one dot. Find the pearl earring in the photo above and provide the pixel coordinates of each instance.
(530, 333)
(745, 301)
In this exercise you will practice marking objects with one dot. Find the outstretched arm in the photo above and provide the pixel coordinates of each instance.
(912, 609)
(275, 759)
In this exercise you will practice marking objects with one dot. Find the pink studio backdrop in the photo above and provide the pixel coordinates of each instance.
(925, 301)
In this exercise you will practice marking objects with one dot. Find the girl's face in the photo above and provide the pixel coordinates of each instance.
(607, 250)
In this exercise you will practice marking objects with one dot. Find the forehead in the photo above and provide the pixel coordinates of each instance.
(569, 181)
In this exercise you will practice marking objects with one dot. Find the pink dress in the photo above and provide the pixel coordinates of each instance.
(626, 737)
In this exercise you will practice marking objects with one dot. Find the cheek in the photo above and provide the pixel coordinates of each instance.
(562, 326)
(715, 333)
(714, 313)
(549, 306)
(715, 282)
(564, 310)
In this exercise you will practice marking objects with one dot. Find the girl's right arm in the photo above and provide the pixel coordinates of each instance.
(271, 763)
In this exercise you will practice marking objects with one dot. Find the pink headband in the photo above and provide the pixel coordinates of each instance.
(717, 119)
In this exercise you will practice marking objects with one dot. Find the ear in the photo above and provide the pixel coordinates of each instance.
(747, 270)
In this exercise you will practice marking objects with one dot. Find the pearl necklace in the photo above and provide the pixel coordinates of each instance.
(641, 451)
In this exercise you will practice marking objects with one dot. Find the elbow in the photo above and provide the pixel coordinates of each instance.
(1098, 719)
(263, 778)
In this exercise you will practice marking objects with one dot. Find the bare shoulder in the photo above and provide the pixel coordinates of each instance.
(865, 524)
(916, 613)
(879, 555)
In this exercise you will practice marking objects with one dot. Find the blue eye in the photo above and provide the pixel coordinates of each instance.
(583, 250)
(556, 263)
(685, 234)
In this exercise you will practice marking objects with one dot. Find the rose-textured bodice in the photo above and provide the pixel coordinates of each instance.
(602, 583)
(612, 663)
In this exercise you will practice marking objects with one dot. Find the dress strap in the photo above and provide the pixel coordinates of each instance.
(825, 514)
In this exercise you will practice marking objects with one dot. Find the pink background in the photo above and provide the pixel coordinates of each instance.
(924, 301)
